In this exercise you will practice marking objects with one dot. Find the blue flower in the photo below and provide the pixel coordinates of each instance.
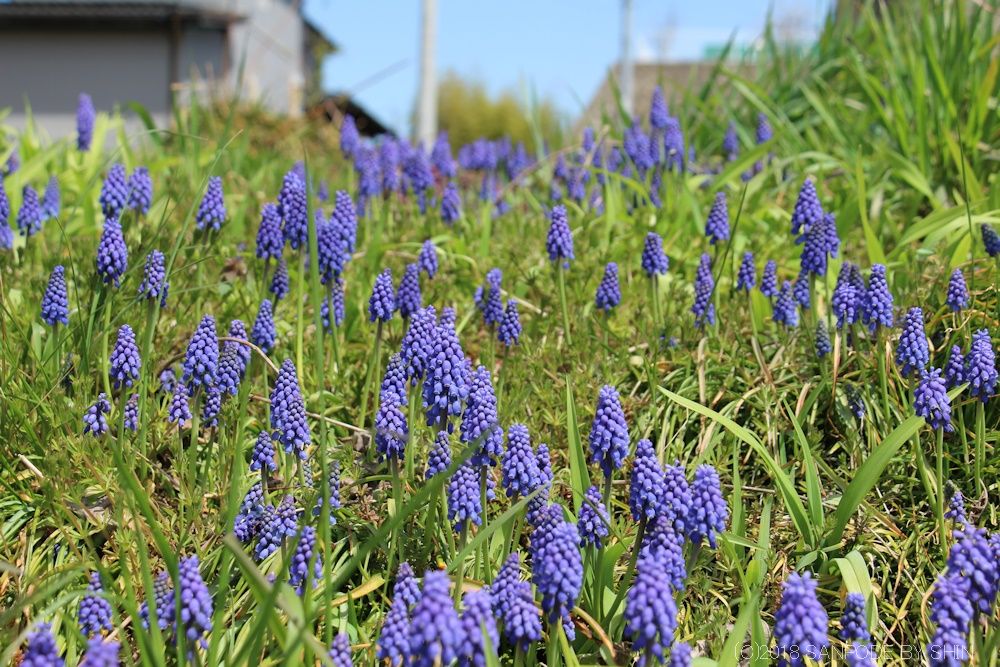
(417, 347)
(650, 613)
(663, 544)
(212, 210)
(808, 211)
(557, 569)
(800, 624)
(41, 650)
(333, 484)
(94, 611)
(270, 241)
(391, 429)
(647, 483)
(609, 294)
(55, 302)
(951, 613)
(94, 421)
(654, 260)
(263, 333)
(981, 366)
(288, 411)
(593, 522)
(608, 440)
(293, 206)
(769, 281)
(276, 525)
(435, 629)
(464, 497)
(428, 259)
(823, 345)
(201, 361)
(85, 116)
(876, 307)
(746, 278)
(298, 568)
(717, 224)
(912, 352)
(279, 283)
(479, 420)
(709, 511)
(112, 254)
(991, 240)
(125, 362)
(51, 199)
(519, 465)
(451, 204)
(140, 191)
(100, 653)
(263, 457)
(509, 331)
(786, 311)
(382, 303)
(559, 243)
(340, 651)
(854, 622)
(114, 191)
(408, 297)
(847, 298)
(180, 408)
(958, 292)
(154, 283)
(704, 286)
(477, 618)
(447, 374)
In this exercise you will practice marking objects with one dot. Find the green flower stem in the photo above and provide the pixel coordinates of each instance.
(373, 363)
(626, 581)
(561, 280)
(939, 469)
(883, 381)
(105, 357)
(980, 443)
(460, 577)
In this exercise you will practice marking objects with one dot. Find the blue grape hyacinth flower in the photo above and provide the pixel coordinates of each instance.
(382, 303)
(650, 613)
(55, 301)
(559, 243)
(288, 411)
(114, 191)
(717, 224)
(94, 420)
(140, 191)
(125, 361)
(980, 366)
(912, 352)
(800, 624)
(746, 278)
(85, 116)
(112, 253)
(958, 293)
(608, 439)
(930, 400)
(609, 294)
(654, 259)
(212, 210)
(201, 362)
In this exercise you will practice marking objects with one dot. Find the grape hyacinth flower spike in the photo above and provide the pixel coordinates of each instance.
(877, 304)
(41, 650)
(140, 191)
(114, 191)
(991, 241)
(201, 361)
(408, 298)
(650, 613)
(270, 241)
(717, 224)
(279, 283)
(559, 245)
(55, 302)
(654, 260)
(786, 311)
(958, 293)
(746, 278)
(51, 199)
(154, 283)
(800, 624)
(263, 333)
(125, 362)
(912, 352)
(709, 512)
(769, 280)
(94, 611)
(85, 116)
(608, 439)
(288, 411)
(29, 216)
(436, 631)
(609, 293)
(112, 254)
(509, 331)
(428, 258)
(704, 287)
(212, 210)
(980, 366)
(94, 420)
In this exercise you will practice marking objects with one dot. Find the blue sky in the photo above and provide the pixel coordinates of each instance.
(562, 48)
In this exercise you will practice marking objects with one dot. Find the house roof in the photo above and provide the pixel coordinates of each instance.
(675, 78)
(110, 12)
(334, 107)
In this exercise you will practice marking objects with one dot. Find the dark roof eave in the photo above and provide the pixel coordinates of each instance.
(109, 14)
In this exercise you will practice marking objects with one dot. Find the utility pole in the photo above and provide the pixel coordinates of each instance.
(427, 93)
(627, 67)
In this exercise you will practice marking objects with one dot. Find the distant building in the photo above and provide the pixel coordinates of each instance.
(154, 52)
(333, 108)
(674, 77)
